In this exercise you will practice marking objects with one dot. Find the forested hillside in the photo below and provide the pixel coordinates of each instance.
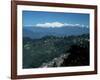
(53, 51)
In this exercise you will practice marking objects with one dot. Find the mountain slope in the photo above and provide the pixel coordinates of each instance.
(44, 50)
(38, 32)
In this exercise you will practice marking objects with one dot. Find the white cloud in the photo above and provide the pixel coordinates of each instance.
(58, 25)
(83, 25)
(77, 25)
(53, 24)
(87, 26)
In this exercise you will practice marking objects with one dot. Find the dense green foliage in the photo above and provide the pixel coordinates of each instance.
(39, 51)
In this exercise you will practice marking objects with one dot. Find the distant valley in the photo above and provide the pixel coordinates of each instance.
(38, 32)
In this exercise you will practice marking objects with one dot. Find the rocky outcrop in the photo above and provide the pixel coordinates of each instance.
(56, 62)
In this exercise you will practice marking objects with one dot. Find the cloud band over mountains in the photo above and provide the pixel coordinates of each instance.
(58, 25)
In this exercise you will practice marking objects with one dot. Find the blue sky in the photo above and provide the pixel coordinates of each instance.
(54, 19)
